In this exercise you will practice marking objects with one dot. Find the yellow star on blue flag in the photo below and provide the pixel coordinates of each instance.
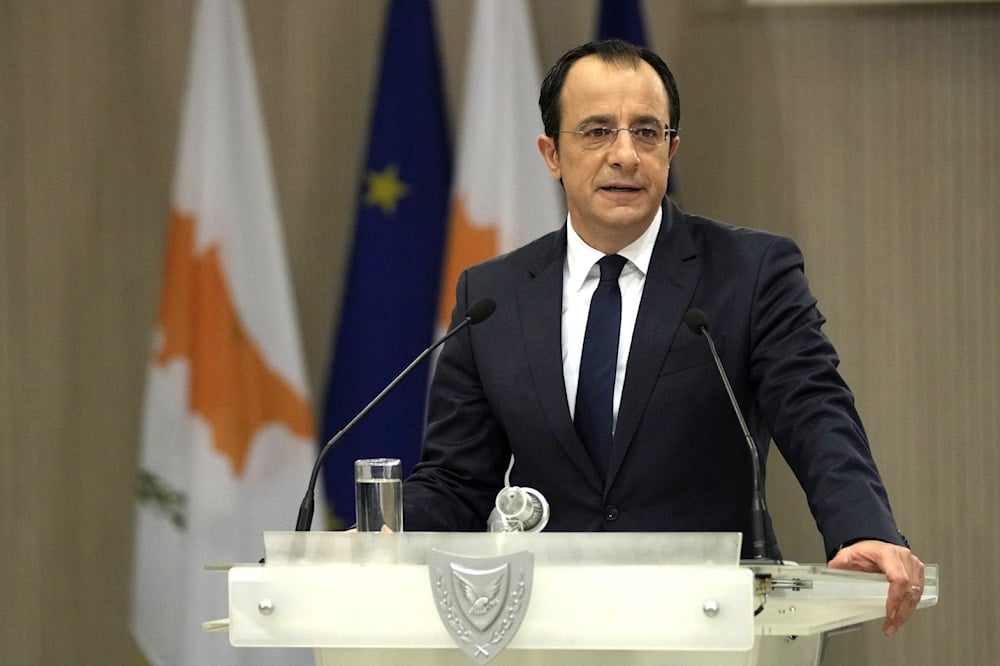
(385, 189)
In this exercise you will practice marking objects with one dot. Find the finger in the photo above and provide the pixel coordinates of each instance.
(893, 608)
(905, 593)
(899, 606)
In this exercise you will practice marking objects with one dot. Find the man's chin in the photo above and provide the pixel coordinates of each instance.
(628, 216)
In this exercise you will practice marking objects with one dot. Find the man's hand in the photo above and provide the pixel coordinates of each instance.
(904, 571)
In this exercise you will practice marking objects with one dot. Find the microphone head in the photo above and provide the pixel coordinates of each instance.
(519, 510)
(696, 320)
(481, 310)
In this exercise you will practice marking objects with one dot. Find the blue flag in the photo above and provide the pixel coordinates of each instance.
(623, 19)
(390, 299)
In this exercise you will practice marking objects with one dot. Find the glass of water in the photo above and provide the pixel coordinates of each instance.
(378, 494)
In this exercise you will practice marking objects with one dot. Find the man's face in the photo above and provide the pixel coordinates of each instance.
(612, 191)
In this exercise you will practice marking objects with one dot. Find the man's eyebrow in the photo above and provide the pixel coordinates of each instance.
(647, 119)
(607, 120)
(595, 120)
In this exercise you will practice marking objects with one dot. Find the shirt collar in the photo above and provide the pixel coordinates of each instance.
(580, 257)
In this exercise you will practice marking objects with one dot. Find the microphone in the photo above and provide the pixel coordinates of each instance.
(519, 510)
(477, 313)
(697, 321)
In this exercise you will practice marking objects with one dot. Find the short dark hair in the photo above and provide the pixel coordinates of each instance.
(611, 51)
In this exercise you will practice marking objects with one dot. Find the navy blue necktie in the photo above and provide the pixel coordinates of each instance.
(594, 414)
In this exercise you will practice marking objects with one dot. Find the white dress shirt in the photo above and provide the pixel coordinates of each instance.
(580, 277)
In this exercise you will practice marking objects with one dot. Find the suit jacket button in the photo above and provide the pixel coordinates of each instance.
(611, 513)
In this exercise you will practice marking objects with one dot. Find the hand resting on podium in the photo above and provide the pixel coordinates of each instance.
(901, 567)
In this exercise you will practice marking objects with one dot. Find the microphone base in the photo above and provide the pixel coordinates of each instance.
(761, 561)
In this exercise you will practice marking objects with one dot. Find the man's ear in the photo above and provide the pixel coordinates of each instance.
(550, 153)
(675, 143)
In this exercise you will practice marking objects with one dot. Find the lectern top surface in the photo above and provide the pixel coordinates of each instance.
(564, 548)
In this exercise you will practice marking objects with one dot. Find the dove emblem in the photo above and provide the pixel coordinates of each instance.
(482, 591)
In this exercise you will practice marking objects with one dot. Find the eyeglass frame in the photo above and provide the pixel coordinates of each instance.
(668, 132)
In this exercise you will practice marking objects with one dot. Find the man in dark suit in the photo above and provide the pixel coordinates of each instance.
(639, 434)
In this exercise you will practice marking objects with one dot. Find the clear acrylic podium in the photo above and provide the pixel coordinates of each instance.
(595, 598)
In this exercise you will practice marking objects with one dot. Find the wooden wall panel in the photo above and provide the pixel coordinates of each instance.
(870, 136)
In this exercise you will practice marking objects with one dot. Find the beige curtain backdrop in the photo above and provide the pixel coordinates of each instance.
(868, 133)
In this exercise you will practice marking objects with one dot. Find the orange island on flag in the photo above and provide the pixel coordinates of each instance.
(232, 387)
(469, 243)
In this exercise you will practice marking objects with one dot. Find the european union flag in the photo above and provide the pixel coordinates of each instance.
(390, 300)
(621, 19)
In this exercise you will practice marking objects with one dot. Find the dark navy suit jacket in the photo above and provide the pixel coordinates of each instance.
(679, 461)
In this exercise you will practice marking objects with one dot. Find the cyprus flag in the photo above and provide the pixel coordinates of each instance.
(227, 433)
(503, 196)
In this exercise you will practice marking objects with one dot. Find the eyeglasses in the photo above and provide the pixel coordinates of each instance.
(645, 135)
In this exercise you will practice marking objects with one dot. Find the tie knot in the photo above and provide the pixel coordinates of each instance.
(611, 266)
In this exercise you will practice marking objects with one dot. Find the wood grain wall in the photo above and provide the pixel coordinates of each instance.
(869, 134)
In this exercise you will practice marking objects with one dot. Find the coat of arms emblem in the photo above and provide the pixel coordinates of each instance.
(481, 600)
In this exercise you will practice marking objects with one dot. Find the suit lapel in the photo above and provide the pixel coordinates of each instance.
(670, 282)
(540, 305)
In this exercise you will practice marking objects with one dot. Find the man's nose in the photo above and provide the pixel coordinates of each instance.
(623, 150)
